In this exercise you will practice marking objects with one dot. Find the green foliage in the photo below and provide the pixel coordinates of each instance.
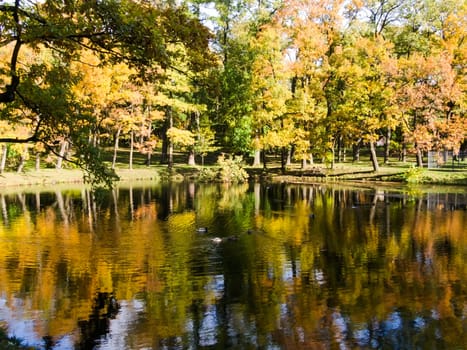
(11, 343)
(414, 175)
(205, 142)
(208, 174)
(328, 159)
(96, 172)
(240, 136)
(49, 37)
(283, 76)
(229, 169)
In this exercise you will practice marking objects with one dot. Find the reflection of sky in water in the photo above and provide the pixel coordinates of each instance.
(419, 323)
(361, 334)
(371, 334)
(64, 343)
(289, 269)
(216, 285)
(208, 331)
(24, 325)
(119, 327)
(393, 323)
(21, 323)
(319, 276)
(340, 325)
(210, 322)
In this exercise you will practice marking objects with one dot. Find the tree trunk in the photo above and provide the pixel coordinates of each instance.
(170, 155)
(194, 126)
(150, 148)
(356, 151)
(164, 147)
(257, 158)
(289, 156)
(132, 141)
(165, 140)
(191, 158)
(387, 147)
(257, 154)
(333, 156)
(374, 159)
(419, 158)
(4, 157)
(339, 149)
(117, 137)
(38, 161)
(22, 161)
(263, 154)
(61, 154)
(170, 146)
(403, 153)
(116, 141)
(283, 159)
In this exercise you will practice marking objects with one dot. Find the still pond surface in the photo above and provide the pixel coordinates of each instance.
(189, 266)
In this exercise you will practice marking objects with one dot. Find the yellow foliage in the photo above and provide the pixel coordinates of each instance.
(181, 137)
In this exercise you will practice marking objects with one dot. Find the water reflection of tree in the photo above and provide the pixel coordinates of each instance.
(104, 308)
(356, 272)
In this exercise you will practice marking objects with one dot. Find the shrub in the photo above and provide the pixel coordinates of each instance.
(207, 174)
(228, 169)
(413, 175)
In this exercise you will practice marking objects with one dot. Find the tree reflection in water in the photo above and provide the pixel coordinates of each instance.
(105, 307)
(312, 267)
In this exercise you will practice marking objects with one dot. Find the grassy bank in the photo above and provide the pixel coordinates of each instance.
(340, 172)
(400, 173)
(50, 177)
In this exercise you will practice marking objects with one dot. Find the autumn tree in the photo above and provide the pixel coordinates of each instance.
(132, 32)
(425, 96)
(176, 98)
(271, 92)
(230, 97)
(313, 31)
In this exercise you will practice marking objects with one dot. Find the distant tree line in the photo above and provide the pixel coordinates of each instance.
(302, 79)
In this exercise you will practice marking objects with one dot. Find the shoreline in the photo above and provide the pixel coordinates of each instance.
(51, 177)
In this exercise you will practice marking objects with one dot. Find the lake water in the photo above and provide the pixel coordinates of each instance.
(277, 267)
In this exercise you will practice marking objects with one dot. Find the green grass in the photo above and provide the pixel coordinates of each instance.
(362, 171)
(347, 171)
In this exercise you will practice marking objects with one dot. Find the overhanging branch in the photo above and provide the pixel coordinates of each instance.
(33, 138)
(9, 94)
(18, 140)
